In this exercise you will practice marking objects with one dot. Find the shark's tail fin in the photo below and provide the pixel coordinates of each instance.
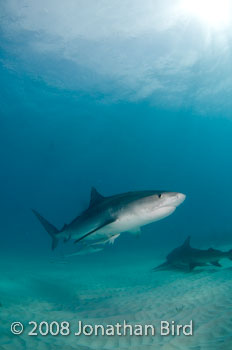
(161, 267)
(51, 230)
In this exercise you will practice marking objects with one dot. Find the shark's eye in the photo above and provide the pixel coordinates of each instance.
(160, 195)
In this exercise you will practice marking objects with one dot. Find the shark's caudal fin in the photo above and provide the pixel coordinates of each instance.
(161, 267)
(51, 230)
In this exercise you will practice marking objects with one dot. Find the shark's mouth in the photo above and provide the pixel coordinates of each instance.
(162, 212)
(170, 209)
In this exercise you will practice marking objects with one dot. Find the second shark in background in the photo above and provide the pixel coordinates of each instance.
(186, 257)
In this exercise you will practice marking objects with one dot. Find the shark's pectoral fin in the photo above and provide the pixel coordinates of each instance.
(215, 263)
(110, 221)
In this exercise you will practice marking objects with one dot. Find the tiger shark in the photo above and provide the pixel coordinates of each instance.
(107, 217)
(185, 256)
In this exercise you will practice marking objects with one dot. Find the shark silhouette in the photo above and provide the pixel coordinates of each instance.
(107, 217)
(187, 257)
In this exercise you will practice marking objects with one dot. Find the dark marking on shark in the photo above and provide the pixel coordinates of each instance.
(110, 221)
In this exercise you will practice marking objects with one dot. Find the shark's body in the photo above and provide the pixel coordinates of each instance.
(187, 257)
(109, 216)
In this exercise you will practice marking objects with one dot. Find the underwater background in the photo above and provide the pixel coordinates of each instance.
(121, 96)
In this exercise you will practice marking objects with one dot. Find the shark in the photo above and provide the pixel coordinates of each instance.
(185, 256)
(107, 217)
(93, 247)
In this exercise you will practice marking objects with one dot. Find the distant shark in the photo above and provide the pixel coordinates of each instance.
(107, 217)
(187, 257)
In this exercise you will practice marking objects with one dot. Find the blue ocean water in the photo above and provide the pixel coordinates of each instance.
(65, 127)
(55, 145)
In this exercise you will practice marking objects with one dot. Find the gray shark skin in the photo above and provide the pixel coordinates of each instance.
(110, 216)
(186, 256)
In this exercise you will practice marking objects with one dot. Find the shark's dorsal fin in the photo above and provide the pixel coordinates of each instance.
(186, 243)
(95, 197)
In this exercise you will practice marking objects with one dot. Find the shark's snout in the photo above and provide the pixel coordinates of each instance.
(180, 197)
(175, 198)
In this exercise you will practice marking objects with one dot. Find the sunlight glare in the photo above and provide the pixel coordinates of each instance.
(214, 13)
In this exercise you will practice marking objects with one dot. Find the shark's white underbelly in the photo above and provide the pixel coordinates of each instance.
(130, 221)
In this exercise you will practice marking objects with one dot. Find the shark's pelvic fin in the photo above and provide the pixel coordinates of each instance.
(96, 229)
(95, 197)
(51, 230)
(104, 241)
(112, 238)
